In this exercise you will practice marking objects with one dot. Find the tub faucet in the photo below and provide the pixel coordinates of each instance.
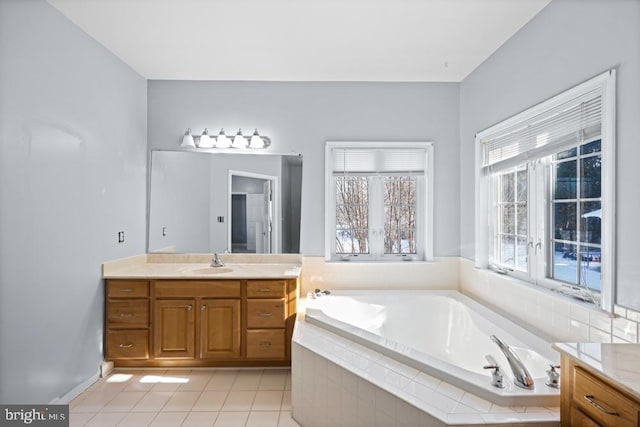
(521, 376)
(216, 261)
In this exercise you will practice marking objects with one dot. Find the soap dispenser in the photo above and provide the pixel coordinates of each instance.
(553, 378)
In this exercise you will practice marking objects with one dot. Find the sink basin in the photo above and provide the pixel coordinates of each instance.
(210, 270)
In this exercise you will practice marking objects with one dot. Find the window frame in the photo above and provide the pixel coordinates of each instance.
(424, 210)
(540, 181)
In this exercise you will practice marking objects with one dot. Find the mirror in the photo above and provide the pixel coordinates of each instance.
(203, 202)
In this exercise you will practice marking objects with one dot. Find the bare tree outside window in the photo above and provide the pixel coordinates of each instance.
(352, 215)
(400, 215)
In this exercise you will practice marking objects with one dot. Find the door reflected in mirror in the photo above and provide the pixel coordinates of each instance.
(216, 202)
(253, 220)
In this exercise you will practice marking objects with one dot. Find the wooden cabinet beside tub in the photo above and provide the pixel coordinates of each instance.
(589, 399)
(247, 322)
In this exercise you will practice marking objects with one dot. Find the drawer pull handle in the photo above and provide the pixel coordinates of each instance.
(265, 343)
(265, 314)
(127, 289)
(126, 315)
(592, 400)
(126, 345)
(264, 290)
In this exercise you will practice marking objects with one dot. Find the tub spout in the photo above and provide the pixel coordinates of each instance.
(521, 376)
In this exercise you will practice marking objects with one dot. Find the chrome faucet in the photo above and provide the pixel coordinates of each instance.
(216, 261)
(521, 376)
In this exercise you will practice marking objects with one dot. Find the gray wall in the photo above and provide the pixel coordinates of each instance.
(72, 174)
(567, 43)
(300, 117)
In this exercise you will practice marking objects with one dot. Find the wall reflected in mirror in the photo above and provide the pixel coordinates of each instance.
(216, 202)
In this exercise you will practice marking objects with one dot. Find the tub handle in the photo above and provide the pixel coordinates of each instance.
(496, 374)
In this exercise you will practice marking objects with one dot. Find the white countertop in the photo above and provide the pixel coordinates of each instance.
(197, 266)
(619, 363)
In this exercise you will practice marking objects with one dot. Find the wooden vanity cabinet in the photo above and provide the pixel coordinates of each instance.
(588, 399)
(197, 319)
(216, 322)
(127, 320)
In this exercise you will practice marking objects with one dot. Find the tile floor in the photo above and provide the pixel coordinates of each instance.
(197, 397)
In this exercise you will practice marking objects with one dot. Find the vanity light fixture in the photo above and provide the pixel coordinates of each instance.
(258, 141)
(239, 141)
(222, 141)
(187, 140)
(205, 140)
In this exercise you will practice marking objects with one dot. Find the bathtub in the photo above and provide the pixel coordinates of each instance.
(441, 333)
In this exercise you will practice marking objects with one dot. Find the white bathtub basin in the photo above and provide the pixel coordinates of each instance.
(442, 333)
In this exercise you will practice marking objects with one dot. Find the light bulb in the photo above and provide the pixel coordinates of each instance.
(187, 140)
(205, 140)
(222, 141)
(239, 141)
(256, 141)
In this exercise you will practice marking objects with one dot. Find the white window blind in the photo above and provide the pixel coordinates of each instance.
(542, 132)
(378, 161)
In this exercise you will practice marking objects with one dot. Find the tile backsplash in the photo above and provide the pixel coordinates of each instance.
(552, 316)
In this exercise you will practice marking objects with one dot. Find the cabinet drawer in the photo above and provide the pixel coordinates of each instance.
(266, 288)
(265, 313)
(601, 402)
(127, 289)
(578, 418)
(128, 314)
(197, 288)
(266, 344)
(127, 345)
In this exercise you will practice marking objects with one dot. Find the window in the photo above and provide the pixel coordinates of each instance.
(512, 229)
(544, 195)
(378, 201)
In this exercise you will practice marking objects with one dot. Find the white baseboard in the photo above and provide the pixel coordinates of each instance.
(76, 390)
(105, 368)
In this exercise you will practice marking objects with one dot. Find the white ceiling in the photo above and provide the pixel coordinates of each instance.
(302, 40)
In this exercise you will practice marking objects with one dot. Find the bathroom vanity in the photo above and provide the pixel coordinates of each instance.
(176, 310)
(600, 384)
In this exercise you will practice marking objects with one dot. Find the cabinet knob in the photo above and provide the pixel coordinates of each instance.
(189, 307)
(203, 308)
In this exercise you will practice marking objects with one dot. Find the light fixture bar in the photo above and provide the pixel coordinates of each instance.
(222, 141)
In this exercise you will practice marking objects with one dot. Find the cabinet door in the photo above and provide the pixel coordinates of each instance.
(174, 329)
(219, 329)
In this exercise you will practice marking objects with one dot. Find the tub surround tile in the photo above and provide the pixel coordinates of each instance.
(570, 321)
(442, 273)
(625, 329)
(596, 335)
(434, 402)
